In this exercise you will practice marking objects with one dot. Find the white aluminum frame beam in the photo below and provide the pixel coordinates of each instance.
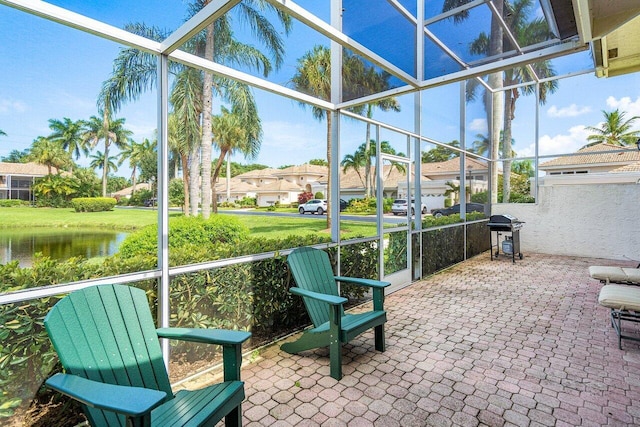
(197, 23)
(83, 23)
(327, 30)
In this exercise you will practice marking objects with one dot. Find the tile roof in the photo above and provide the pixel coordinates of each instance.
(258, 173)
(451, 165)
(596, 154)
(30, 169)
(304, 169)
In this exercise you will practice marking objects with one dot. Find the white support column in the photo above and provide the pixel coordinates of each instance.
(163, 201)
(336, 97)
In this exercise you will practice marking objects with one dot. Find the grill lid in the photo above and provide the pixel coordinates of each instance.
(503, 219)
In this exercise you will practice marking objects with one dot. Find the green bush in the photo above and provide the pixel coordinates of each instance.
(13, 203)
(140, 196)
(319, 195)
(193, 232)
(176, 192)
(247, 202)
(93, 204)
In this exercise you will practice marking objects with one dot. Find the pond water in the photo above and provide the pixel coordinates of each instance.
(57, 243)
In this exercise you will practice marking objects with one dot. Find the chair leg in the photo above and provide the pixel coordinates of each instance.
(379, 338)
(234, 418)
(335, 354)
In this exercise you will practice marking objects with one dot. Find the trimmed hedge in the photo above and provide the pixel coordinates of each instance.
(12, 203)
(93, 204)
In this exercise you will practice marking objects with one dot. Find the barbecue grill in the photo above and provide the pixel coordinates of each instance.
(501, 224)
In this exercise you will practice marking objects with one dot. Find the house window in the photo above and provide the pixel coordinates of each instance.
(3, 181)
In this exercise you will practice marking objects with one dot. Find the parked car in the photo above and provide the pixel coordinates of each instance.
(317, 206)
(399, 206)
(455, 209)
(343, 204)
(150, 203)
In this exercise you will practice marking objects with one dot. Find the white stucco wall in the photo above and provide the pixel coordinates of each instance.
(599, 220)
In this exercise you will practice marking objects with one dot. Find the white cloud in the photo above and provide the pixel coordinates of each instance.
(559, 144)
(632, 108)
(478, 125)
(572, 110)
(8, 106)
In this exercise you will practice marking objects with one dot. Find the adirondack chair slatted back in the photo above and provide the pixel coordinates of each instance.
(312, 271)
(106, 333)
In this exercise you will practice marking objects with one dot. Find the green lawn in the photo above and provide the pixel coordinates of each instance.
(132, 219)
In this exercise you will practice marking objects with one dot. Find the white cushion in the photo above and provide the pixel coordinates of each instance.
(615, 274)
(620, 297)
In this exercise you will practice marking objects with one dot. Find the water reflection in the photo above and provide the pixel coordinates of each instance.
(57, 244)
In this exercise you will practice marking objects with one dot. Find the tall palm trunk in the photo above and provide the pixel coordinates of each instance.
(206, 128)
(185, 183)
(497, 105)
(329, 163)
(107, 142)
(367, 150)
(133, 180)
(509, 114)
(214, 178)
(194, 178)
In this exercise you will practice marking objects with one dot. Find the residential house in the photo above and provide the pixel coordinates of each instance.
(599, 158)
(269, 186)
(16, 179)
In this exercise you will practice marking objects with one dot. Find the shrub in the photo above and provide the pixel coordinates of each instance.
(193, 232)
(140, 196)
(246, 202)
(304, 197)
(368, 205)
(318, 195)
(12, 203)
(93, 204)
(176, 192)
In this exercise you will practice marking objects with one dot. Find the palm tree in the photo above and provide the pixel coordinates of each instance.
(69, 134)
(493, 102)
(110, 132)
(135, 152)
(615, 130)
(100, 161)
(2, 133)
(355, 161)
(129, 80)
(48, 153)
(234, 131)
(363, 80)
(358, 160)
(313, 76)
(502, 112)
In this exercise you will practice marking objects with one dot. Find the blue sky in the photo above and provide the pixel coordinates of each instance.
(51, 72)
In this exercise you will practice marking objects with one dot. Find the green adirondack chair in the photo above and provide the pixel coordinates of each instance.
(108, 344)
(318, 288)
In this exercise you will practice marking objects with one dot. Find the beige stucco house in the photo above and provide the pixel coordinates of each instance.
(269, 186)
(16, 179)
(600, 158)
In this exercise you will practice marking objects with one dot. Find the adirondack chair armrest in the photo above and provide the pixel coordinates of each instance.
(125, 400)
(329, 299)
(363, 282)
(206, 336)
(231, 342)
(376, 286)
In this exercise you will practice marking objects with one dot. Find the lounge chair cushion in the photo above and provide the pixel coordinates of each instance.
(615, 274)
(620, 297)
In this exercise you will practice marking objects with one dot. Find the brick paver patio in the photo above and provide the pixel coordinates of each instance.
(484, 343)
